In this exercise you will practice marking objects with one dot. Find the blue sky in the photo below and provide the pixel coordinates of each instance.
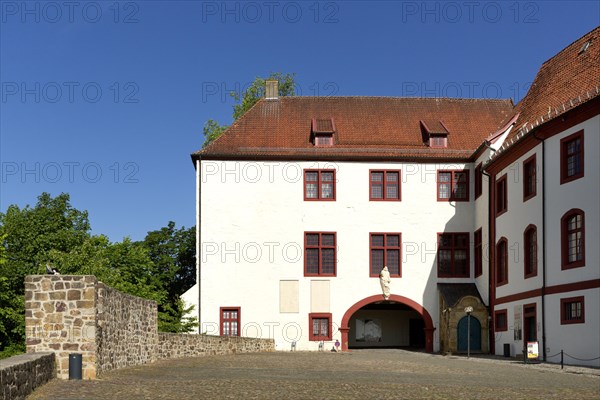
(106, 100)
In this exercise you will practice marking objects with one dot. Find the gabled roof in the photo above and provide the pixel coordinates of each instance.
(568, 79)
(453, 292)
(365, 128)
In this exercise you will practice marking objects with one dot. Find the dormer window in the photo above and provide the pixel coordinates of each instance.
(435, 133)
(322, 131)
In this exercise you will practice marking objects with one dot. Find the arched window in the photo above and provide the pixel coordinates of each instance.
(530, 251)
(502, 262)
(573, 239)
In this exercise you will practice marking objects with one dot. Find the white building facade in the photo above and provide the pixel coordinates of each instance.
(302, 202)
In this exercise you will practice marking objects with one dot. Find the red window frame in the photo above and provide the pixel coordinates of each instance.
(530, 262)
(501, 196)
(500, 316)
(529, 178)
(385, 184)
(438, 141)
(454, 184)
(478, 181)
(571, 156)
(226, 321)
(323, 319)
(566, 310)
(320, 247)
(502, 262)
(453, 248)
(385, 248)
(320, 184)
(478, 252)
(567, 239)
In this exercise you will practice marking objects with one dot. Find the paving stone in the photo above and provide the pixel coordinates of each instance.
(361, 374)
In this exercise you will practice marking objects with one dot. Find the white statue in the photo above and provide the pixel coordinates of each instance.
(384, 280)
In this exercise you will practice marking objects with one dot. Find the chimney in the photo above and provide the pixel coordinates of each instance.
(272, 89)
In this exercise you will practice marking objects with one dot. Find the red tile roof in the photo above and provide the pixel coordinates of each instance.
(567, 80)
(365, 128)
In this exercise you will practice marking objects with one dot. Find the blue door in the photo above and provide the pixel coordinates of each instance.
(463, 327)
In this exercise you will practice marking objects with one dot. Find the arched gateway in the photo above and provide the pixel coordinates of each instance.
(429, 328)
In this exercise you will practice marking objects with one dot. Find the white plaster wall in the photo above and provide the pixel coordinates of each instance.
(583, 193)
(253, 219)
(516, 346)
(482, 221)
(577, 340)
(512, 225)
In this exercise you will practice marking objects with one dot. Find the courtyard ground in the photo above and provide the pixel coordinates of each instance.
(361, 374)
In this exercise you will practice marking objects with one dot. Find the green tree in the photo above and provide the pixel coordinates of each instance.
(12, 315)
(247, 99)
(173, 253)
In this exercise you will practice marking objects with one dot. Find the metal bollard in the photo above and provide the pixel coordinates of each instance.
(75, 366)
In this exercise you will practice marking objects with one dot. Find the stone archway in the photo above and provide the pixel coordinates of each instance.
(429, 328)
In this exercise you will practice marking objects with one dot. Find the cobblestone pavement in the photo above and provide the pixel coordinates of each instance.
(362, 374)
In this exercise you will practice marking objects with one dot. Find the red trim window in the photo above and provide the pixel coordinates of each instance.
(478, 181)
(324, 140)
(572, 311)
(500, 321)
(478, 250)
(230, 321)
(502, 262)
(529, 178)
(319, 254)
(453, 185)
(384, 185)
(438, 141)
(453, 255)
(573, 239)
(319, 184)
(531, 253)
(571, 157)
(385, 251)
(501, 196)
(319, 326)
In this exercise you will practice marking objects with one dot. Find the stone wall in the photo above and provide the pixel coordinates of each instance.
(77, 314)
(173, 345)
(20, 375)
(60, 316)
(127, 332)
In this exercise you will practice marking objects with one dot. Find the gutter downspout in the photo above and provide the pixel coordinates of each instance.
(543, 245)
(491, 281)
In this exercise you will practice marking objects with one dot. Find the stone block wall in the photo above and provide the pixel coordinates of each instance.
(60, 317)
(67, 314)
(178, 345)
(20, 375)
(127, 332)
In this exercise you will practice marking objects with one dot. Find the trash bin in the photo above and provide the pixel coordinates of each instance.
(75, 366)
(506, 349)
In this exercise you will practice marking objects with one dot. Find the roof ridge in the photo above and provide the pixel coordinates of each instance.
(567, 47)
(396, 98)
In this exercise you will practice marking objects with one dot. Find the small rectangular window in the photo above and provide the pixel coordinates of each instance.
(453, 255)
(529, 178)
(478, 250)
(230, 321)
(500, 320)
(319, 327)
(453, 185)
(319, 254)
(501, 196)
(571, 157)
(572, 310)
(319, 185)
(384, 185)
(478, 181)
(385, 251)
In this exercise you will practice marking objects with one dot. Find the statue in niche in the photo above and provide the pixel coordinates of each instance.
(384, 280)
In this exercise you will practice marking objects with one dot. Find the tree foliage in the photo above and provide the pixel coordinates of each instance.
(160, 268)
(246, 100)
